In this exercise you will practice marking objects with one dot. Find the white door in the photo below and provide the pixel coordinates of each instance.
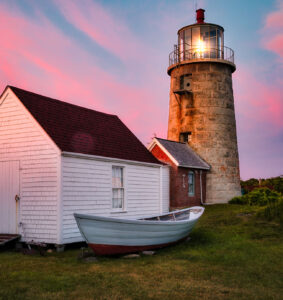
(9, 189)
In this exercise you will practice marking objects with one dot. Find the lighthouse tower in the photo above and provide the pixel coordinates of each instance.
(201, 109)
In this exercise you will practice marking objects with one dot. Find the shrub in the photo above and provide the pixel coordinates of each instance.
(263, 196)
(239, 200)
(249, 185)
(270, 201)
(258, 197)
(273, 183)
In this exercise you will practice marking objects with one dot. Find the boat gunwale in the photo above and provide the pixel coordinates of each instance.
(141, 221)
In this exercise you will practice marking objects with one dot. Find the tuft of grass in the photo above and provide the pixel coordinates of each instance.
(269, 201)
(232, 254)
(273, 211)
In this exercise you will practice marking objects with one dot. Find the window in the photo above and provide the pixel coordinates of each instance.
(191, 180)
(201, 42)
(185, 137)
(185, 82)
(117, 188)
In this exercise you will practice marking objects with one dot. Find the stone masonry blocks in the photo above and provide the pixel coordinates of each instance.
(208, 112)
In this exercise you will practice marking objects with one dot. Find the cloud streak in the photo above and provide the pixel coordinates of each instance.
(256, 99)
(103, 28)
(273, 31)
(259, 105)
(39, 57)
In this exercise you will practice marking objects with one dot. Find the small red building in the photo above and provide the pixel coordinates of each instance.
(187, 172)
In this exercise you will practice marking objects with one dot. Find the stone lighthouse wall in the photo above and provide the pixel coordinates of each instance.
(208, 113)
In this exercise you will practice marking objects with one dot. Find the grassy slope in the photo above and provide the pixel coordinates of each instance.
(231, 255)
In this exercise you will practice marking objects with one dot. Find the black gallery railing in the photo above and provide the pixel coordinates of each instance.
(192, 53)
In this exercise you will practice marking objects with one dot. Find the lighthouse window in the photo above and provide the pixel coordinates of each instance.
(219, 44)
(204, 42)
(191, 183)
(212, 43)
(212, 33)
(185, 137)
(188, 43)
(181, 44)
(195, 42)
(185, 82)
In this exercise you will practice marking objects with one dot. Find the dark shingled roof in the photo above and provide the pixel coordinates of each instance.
(81, 130)
(184, 154)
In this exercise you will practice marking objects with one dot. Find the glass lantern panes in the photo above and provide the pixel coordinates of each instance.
(117, 188)
(213, 43)
(205, 41)
(181, 46)
(187, 43)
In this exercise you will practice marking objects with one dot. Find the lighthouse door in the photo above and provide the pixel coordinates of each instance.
(9, 196)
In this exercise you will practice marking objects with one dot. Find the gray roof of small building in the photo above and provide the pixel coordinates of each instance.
(184, 154)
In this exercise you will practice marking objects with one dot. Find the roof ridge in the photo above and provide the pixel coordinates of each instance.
(180, 145)
(82, 130)
(169, 140)
(60, 101)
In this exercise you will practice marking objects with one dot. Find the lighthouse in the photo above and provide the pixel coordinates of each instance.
(201, 108)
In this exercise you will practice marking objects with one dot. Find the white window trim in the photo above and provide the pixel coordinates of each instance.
(124, 205)
(194, 184)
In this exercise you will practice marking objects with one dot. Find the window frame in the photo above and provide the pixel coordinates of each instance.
(123, 188)
(193, 184)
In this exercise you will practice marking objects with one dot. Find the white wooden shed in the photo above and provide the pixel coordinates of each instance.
(57, 158)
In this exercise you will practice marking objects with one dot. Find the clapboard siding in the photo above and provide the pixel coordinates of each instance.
(165, 188)
(87, 188)
(54, 186)
(84, 182)
(21, 138)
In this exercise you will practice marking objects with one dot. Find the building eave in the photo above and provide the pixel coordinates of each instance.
(109, 159)
(194, 167)
(170, 156)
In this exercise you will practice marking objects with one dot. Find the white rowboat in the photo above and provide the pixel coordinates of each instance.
(107, 235)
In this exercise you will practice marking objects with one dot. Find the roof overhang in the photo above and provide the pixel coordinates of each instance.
(110, 159)
(156, 142)
(194, 167)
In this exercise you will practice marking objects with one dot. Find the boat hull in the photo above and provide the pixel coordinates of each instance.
(100, 249)
(107, 236)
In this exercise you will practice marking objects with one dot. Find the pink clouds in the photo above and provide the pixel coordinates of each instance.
(37, 56)
(259, 108)
(257, 101)
(259, 105)
(102, 27)
(275, 44)
(274, 19)
(273, 31)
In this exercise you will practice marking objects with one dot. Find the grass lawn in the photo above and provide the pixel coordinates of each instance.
(231, 255)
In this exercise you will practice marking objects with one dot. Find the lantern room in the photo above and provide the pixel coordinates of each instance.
(201, 41)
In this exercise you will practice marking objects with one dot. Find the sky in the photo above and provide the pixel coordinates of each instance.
(112, 56)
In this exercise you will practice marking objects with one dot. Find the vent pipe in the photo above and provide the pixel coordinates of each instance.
(200, 15)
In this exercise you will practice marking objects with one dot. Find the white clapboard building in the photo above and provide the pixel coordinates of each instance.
(57, 158)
